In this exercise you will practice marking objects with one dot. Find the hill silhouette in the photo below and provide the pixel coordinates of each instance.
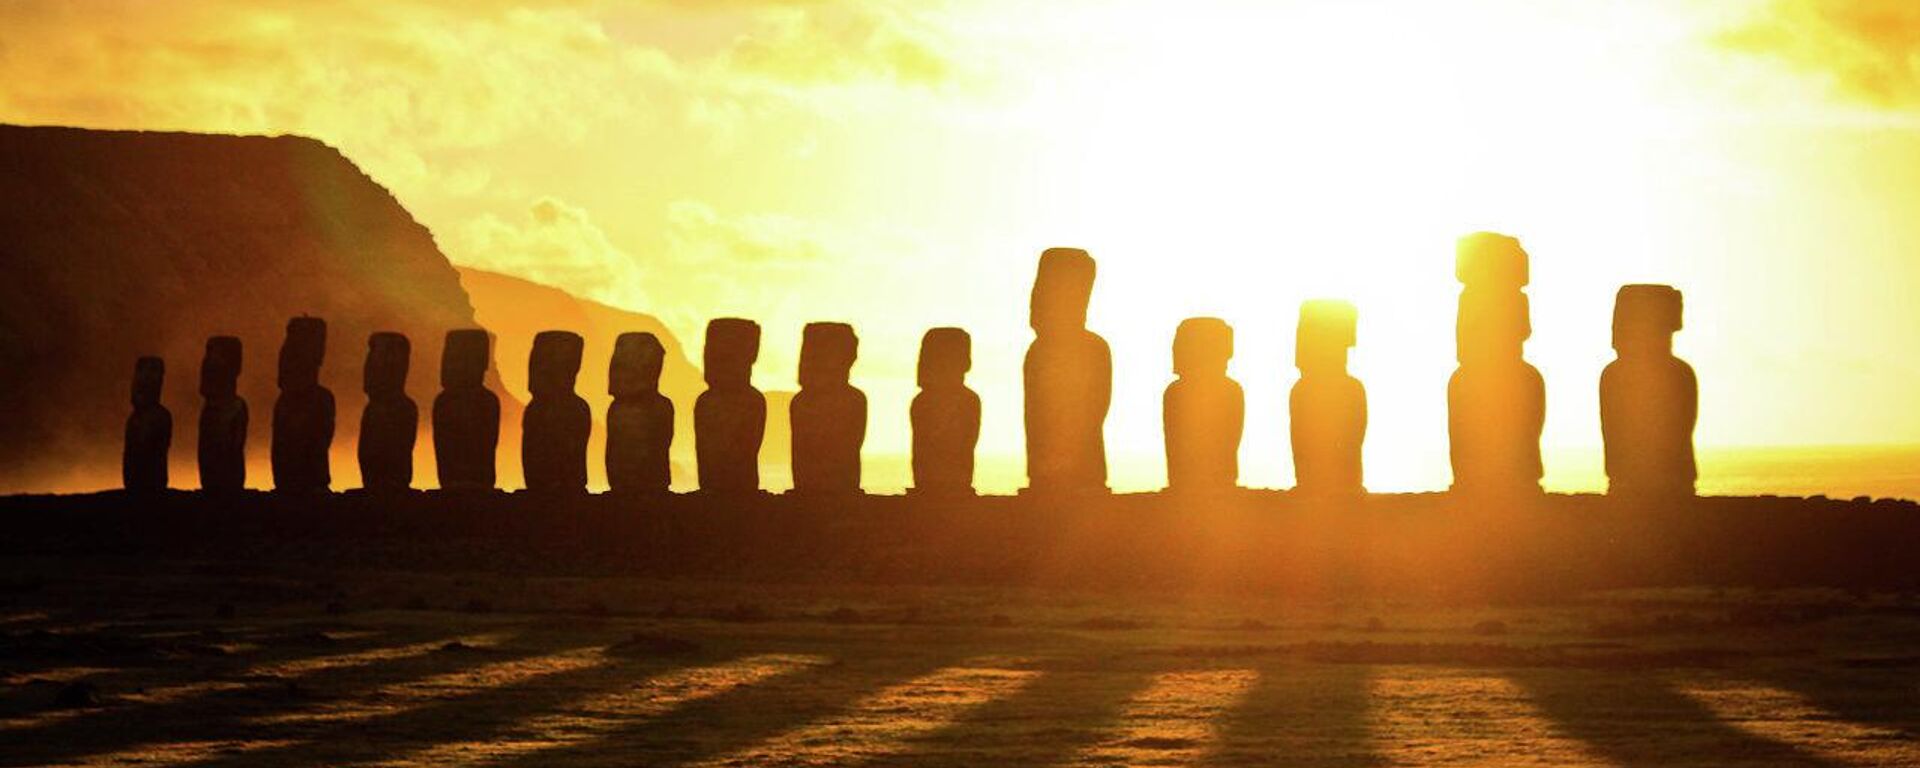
(115, 244)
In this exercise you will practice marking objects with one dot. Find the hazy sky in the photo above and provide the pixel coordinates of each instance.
(900, 165)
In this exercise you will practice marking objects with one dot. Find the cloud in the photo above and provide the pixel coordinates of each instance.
(856, 42)
(555, 244)
(1868, 49)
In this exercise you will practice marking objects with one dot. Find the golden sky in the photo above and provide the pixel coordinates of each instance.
(900, 165)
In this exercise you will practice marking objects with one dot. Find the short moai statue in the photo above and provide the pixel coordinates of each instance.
(391, 422)
(303, 416)
(945, 416)
(554, 431)
(222, 448)
(828, 414)
(143, 461)
(466, 415)
(730, 417)
(1649, 399)
(1203, 411)
(640, 420)
(1496, 401)
(1328, 407)
(1068, 376)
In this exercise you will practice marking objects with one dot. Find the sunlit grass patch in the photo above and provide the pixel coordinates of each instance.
(401, 697)
(599, 715)
(1783, 716)
(887, 721)
(1435, 716)
(1175, 720)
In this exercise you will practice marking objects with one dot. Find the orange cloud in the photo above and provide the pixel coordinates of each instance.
(1868, 49)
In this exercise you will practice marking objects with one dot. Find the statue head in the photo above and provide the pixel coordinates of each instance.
(464, 358)
(220, 368)
(1202, 346)
(1645, 318)
(302, 353)
(637, 361)
(827, 352)
(1061, 290)
(946, 354)
(554, 363)
(388, 359)
(732, 346)
(149, 375)
(1490, 260)
(1327, 329)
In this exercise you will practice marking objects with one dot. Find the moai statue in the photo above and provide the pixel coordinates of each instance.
(391, 421)
(303, 416)
(828, 414)
(945, 415)
(1069, 380)
(1203, 410)
(1496, 401)
(640, 421)
(1648, 398)
(553, 433)
(1328, 407)
(143, 462)
(730, 418)
(222, 450)
(466, 415)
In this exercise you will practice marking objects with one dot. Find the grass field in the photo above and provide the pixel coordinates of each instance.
(112, 663)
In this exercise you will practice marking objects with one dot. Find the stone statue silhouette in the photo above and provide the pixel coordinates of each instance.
(143, 461)
(303, 415)
(640, 420)
(828, 415)
(1203, 411)
(1069, 380)
(222, 449)
(730, 417)
(1649, 399)
(554, 431)
(1328, 407)
(466, 415)
(1496, 402)
(391, 422)
(945, 415)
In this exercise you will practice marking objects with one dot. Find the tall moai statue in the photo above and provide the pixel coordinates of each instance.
(391, 422)
(1496, 401)
(303, 415)
(945, 415)
(466, 415)
(1328, 407)
(554, 431)
(640, 420)
(1069, 380)
(222, 449)
(730, 418)
(828, 415)
(1649, 399)
(1203, 411)
(143, 461)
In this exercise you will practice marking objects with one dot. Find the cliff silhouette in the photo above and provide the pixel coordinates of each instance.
(116, 244)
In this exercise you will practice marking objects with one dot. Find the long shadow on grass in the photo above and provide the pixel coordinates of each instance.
(1300, 714)
(1636, 718)
(741, 717)
(1061, 713)
(223, 714)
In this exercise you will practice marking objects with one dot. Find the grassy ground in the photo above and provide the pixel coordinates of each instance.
(107, 663)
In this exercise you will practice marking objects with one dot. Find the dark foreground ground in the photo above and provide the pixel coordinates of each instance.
(109, 660)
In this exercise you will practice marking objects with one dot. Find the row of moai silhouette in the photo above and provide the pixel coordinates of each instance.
(1496, 403)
